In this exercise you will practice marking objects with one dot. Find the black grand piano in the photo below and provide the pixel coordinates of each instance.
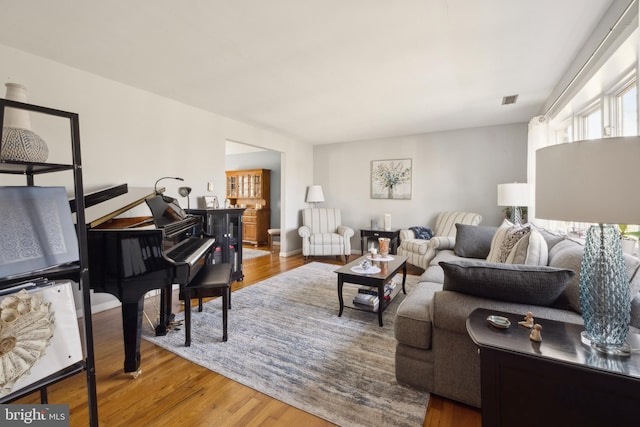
(128, 259)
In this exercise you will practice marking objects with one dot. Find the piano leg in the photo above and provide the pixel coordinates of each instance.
(166, 317)
(132, 330)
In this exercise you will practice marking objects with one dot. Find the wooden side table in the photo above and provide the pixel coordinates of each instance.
(393, 234)
(556, 382)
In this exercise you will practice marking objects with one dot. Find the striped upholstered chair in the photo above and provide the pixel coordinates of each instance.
(420, 252)
(322, 233)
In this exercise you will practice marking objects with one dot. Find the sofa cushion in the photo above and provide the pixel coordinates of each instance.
(325, 239)
(530, 250)
(418, 246)
(568, 254)
(433, 274)
(635, 311)
(525, 284)
(504, 240)
(444, 255)
(473, 241)
(550, 237)
(412, 325)
(451, 309)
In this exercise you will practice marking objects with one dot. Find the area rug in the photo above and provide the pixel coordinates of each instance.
(248, 253)
(287, 341)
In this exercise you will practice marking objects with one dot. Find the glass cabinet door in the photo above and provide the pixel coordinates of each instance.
(216, 227)
(226, 227)
(232, 186)
(235, 243)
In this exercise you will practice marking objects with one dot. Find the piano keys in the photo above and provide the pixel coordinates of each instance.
(127, 262)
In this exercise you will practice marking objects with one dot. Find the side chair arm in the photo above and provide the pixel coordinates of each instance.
(345, 231)
(304, 231)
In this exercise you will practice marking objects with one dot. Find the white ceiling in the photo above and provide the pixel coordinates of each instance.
(321, 71)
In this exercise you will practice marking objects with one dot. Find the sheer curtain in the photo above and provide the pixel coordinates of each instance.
(538, 137)
(541, 134)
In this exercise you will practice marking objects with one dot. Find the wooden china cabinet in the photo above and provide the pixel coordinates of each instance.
(250, 189)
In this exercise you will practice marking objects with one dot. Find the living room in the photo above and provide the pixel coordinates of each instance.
(127, 126)
(135, 134)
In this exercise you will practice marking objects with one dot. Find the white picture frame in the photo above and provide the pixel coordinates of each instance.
(391, 179)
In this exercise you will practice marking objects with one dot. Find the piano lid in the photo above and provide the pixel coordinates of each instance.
(108, 209)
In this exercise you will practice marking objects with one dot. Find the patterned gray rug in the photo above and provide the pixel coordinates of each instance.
(286, 340)
(248, 253)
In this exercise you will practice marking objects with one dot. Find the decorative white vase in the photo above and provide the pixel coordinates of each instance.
(19, 142)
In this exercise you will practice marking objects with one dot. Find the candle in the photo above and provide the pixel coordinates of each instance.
(387, 222)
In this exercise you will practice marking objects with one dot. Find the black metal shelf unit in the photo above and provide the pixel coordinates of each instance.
(78, 272)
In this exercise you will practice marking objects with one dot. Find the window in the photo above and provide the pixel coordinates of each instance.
(564, 134)
(613, 113)
(627, 110)
(603, 103)
(592, 124)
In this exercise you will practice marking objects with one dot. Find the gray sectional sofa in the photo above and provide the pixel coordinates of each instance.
(434, 351)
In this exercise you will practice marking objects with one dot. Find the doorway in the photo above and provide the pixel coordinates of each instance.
(239, 156)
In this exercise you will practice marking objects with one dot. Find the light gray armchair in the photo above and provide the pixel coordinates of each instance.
(322, 233)
(420, 252)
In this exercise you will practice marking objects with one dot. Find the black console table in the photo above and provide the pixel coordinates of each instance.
(225, 225)
(556, 382)
(393, 234)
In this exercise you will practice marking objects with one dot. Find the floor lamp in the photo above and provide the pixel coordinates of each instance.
(595, 181)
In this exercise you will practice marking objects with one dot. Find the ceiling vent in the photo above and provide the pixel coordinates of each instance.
(511, 99)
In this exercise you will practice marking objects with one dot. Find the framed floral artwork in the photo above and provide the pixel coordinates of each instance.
(391, 179)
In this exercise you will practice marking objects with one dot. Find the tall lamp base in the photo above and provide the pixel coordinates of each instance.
(604, 292)
(623, 350)
(516, 215)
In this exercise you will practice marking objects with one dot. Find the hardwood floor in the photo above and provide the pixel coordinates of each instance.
(172, 391)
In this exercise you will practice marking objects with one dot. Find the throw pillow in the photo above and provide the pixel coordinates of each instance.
(568, 254)
(473, 241)
(421, 232)
(550, 237)
(504, 240)
(530, 250)
(523, 284)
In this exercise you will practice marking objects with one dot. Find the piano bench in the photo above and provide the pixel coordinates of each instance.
(211, 280)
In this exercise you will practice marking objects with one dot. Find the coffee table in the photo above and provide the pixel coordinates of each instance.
(388, 269)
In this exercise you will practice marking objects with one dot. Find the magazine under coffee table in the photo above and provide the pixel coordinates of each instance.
(387, 269)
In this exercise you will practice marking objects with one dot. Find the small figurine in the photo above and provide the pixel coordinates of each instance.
(528, 320)
(365, 265)
(535, 334)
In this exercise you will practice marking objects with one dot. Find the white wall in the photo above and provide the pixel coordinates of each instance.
(454, 170)
(129, 135)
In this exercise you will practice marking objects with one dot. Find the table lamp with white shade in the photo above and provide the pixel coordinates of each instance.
(514, 195)
(595, 181)
(315, 195)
